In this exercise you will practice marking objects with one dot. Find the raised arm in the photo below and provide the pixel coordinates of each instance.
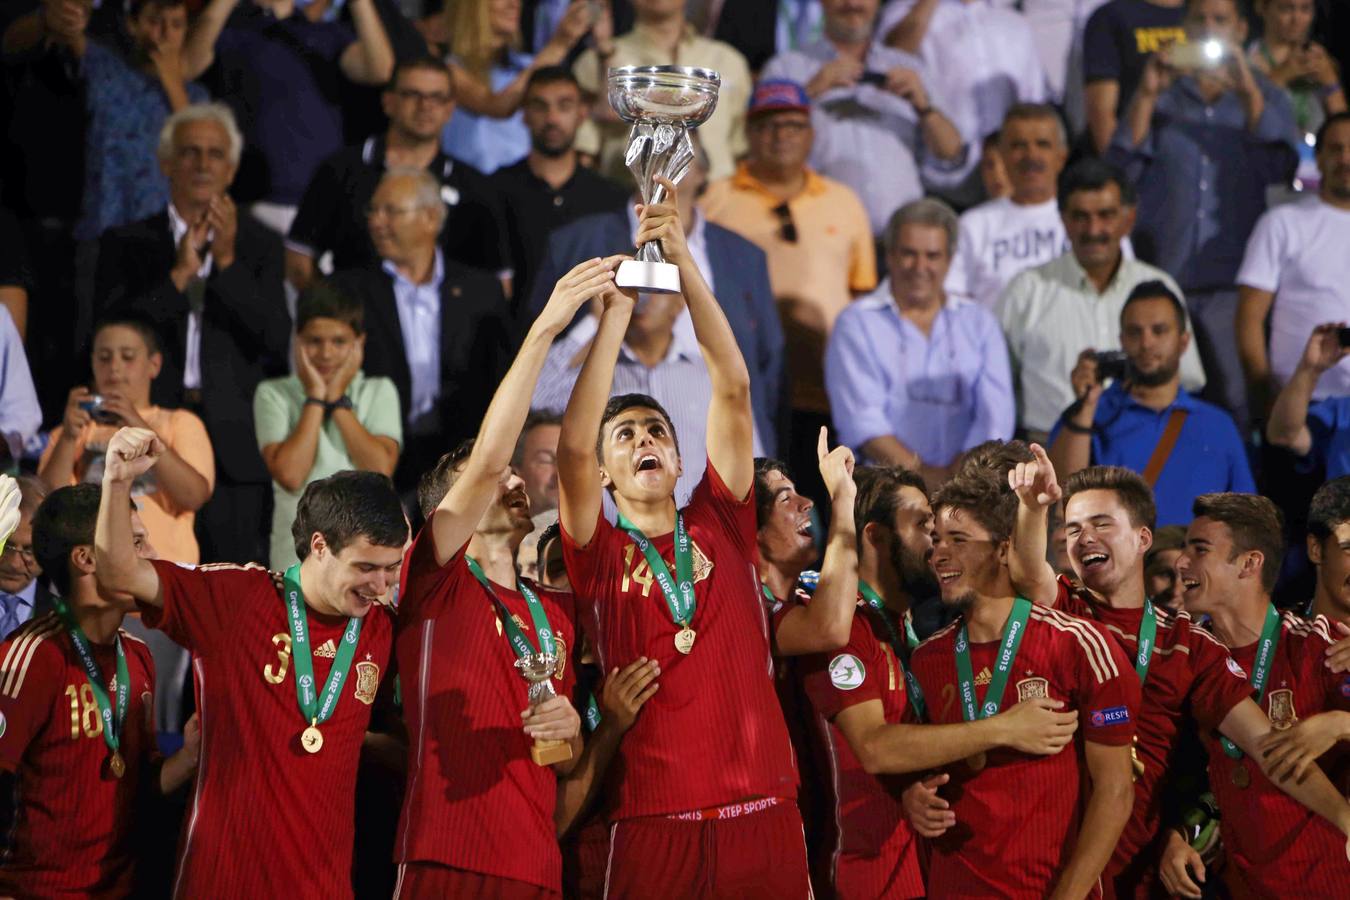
(454, 520)
(909, 32)
(1037, 490)
(824, 623)
(131, 453)
(481, 99)
(1288, 424)
(1108, 809)
(199, 51)
(730, 416)
(1071, 449)
(370, 58)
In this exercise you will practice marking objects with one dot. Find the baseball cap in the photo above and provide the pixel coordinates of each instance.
(778, 95)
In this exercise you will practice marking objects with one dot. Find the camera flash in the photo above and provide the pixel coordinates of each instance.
(1213, 50)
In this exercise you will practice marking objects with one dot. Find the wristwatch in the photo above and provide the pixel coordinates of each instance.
(343, 402)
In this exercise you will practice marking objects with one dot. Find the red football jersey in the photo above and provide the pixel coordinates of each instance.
(475, 799)
(1276, 846)
(74, 830)
(1190, 676)
(1017, 817)
(714, 734)
(867, 821)
(266, 816)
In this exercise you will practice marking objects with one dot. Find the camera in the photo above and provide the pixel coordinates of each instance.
(94, 406)
(1343, 336)
(1200, 54)
(1112, 364)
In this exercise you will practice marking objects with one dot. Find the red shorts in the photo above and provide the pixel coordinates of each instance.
(752, 853)
(585, 853)
(428, 880)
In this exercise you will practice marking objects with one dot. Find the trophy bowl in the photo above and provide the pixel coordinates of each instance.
(663, 103)
(675, 95)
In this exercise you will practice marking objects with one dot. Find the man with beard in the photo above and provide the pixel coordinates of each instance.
(1182, 446)
(549, 188)
(419, 100)
(1328, 545)
(1019, 825)
(1187, 674)
(859, 698)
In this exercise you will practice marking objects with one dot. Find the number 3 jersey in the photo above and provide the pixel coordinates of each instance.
(74, 828)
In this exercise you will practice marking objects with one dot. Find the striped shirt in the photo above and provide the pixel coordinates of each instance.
(996, 847)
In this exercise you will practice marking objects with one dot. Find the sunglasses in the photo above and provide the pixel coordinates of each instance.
(787, 229)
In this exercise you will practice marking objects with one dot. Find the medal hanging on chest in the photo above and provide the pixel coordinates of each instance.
(316, 708)
(678, 591)
(111, 717)
(971, 708)
(1265, 660)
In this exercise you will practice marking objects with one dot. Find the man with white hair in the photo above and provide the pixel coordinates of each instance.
(438, 329)
(210, 281)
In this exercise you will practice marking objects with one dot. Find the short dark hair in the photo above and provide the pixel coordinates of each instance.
(985, 497)
(1031, 112)
(322, 300)
(1330, 507)
(64, 521)
(1155, 290)
(346, 506)
(999, 457)
(1255, 523)
(1092, 174)
(536, 418)
(551, 75)
(435, 482)
(138, 324)
(426, 63)
(764, 498)
(1129, 487)
(878, 492)
(1328, 123)
(136, 7)
(623, 402)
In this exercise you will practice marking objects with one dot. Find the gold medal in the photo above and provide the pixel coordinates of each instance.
(311, 739)
(1241, 777)
(977, 762)
(1136, 764)
(684, 640)
(116, 765)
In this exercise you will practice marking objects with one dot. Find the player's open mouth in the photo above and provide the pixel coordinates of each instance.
(1189, 584)
(947, 577)
(804, 527)
(1094, 560)
(517, 500)
(649, 463)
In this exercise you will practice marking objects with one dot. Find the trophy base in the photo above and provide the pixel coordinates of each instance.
(648, 277)
(546, 753)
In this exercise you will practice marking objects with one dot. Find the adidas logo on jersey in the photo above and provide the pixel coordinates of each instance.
(328, 650)
(984, 677)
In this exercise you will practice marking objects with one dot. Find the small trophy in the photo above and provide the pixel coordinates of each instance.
(538, 671)
(663, 103)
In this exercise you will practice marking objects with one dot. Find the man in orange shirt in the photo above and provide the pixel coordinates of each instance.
(816, 235)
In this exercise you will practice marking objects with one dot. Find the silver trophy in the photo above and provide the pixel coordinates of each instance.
(663, 103)
(538, 669)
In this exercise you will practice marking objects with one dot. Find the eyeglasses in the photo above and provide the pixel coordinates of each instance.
(437, 99)
(25, 554)
(787, 229)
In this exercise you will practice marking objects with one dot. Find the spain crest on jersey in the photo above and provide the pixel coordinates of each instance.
(367, 681)
(1031, 688)
(1282, 712)
(702, 565)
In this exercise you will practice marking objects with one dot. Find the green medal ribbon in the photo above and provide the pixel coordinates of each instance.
(768, 594)
(679, 597)
(315, 712)
(112, 722)
(519, 642)
(1265, 659)
(902, 648)
(1007, 655)
(1148, 634)
(592, 712)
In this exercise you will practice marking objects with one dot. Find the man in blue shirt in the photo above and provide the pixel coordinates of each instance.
(1202, 138)
(1183, 446)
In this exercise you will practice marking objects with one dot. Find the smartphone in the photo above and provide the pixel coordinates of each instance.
(1343, 335)
(877, 79)
(1205, 54)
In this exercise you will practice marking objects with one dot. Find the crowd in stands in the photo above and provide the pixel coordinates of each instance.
(293, 238)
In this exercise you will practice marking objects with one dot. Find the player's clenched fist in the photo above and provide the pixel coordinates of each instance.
(131, 453)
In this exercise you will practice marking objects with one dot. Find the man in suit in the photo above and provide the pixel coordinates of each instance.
(210, 281)
(440, 330)
(21, 596)
(735, 268)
